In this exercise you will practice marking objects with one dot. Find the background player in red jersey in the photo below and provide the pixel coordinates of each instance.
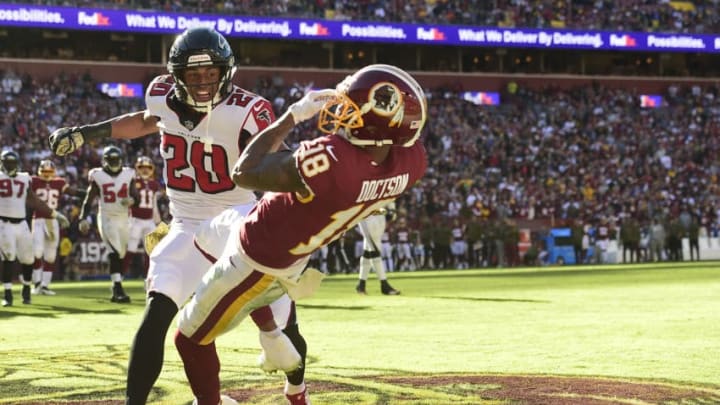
(144, 215)
(45, 230)
(16, 196)
(315, 194)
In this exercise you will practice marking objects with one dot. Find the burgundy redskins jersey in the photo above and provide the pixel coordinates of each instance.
(49, 191)
(346, 187)
(200, 149)
(146, 191)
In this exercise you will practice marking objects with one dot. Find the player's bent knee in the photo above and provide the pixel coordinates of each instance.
(370, 254)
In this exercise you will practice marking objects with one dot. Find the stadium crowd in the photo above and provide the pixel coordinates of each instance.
(590, 154)
(630, 15)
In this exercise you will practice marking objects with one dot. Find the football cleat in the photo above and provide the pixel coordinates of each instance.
(26, 294)
(8, 300)
(46, 291)
(265, 365)
(360, 288)
(301, 398)
(278, 354)
(119, 295)
(386, 289)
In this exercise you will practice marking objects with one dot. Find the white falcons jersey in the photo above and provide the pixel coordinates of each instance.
(13, 194)
(113, 189)
(200, 149)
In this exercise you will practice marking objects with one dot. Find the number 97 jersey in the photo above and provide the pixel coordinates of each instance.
(200, 148)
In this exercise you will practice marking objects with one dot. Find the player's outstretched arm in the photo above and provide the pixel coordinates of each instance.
(127, 126)
(260, 167)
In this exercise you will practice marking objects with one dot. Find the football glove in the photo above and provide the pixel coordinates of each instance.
(311, 104)
(66, 140)
(84, 226)
(127, 202)
(154, 237)
(62, 220)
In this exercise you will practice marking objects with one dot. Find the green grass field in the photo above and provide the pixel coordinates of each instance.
(636, 335)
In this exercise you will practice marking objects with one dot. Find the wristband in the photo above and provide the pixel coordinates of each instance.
(96, 131)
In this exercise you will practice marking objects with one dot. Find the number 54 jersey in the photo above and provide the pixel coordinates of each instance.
(200, 148)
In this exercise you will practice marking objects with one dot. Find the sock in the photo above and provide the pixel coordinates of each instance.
(292, 389)
(202, 369)
(46, 278)
(147, 350)
(27, 270)
(365, 266)
(377, 264)
(296, 378)
(37, 275)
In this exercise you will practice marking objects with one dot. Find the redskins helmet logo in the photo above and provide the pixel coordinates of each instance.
(385, 99)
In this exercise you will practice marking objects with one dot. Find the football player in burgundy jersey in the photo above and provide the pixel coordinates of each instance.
(144, 214)
(368, 158)
(16, 249)
(204, 121)
(45, 230)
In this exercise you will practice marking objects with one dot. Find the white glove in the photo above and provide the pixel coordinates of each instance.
(66, 140)
(62, 220)
(84, 226)
(126, 202)
(311, 104)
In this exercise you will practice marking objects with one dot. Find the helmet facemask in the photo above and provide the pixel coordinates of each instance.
(221, 88)
(112, 160)
(378, 105)
(201, 47)
(145, 168)
(9, 163)
(46, 170)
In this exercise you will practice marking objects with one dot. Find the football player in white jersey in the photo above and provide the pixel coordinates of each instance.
(15, 238)
(372, 229)
(204, 122)
(112, 185)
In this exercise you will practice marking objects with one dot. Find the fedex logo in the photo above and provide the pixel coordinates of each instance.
(433, 34)
(623, 41)
(314, 30)
(96, 19)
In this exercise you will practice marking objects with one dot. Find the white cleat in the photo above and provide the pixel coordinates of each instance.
(278, 354)
(46, 291)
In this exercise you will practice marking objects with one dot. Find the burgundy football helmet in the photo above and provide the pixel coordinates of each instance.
(46, 169)
(378, 105)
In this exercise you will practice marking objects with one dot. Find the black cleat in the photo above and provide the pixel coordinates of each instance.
(386, 289)
(360, 288)
(8, 300)
(26, 294)
(121, 299)
(119, 295)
